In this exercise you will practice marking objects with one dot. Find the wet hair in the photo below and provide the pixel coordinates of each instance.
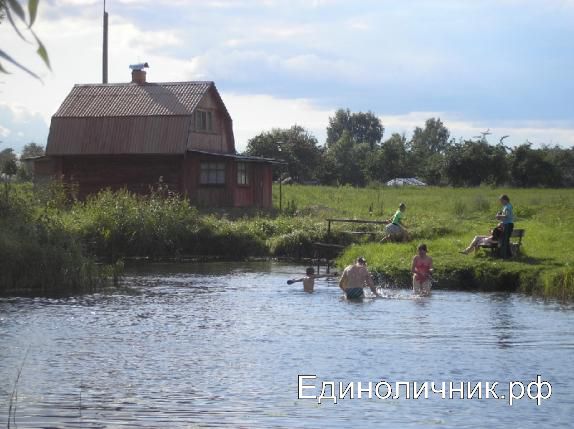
(504, 197)
(422, 246)
(361, 260)
(402, 206)
(310, 271)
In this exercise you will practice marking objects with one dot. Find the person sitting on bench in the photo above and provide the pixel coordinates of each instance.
(484, 240)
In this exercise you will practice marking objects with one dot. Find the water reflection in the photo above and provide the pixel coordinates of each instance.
(221, 346)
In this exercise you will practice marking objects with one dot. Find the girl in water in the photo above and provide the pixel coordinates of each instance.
(421, 268)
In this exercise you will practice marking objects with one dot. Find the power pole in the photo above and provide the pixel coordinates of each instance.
(105, 48)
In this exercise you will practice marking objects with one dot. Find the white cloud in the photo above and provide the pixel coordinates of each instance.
(4, 132)
(537, 132)
(253, 114)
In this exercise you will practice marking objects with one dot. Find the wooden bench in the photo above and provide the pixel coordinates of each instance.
(515, 245)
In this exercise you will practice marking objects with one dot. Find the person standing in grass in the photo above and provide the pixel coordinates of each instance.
(421, 268)
(355, 278)
(506, 216)
(395, 229)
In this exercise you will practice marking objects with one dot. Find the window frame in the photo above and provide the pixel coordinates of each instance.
(199, 121)
(212, 173)
(246, 182)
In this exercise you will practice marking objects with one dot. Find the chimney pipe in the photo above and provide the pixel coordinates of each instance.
(138, 73)
(138, 76)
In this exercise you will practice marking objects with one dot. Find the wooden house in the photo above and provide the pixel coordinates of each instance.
(136, 134)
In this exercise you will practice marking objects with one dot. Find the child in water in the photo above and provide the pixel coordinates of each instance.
(309, 279)
(422, 269)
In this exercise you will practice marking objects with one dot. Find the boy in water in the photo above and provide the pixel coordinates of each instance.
(421, 268)
(309, 279)
(355, 278)
(395, 229)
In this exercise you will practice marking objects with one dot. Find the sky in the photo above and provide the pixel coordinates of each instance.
(503, 65)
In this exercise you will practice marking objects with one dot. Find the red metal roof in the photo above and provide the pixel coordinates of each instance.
(131, 99)
(129, 118)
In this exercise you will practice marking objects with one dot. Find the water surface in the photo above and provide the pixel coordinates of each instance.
(221, 345)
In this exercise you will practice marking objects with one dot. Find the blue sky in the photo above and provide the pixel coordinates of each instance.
(504, 65)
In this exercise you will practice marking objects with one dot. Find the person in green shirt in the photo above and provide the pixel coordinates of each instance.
(395, 230)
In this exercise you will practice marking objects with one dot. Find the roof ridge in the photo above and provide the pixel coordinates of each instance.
(190, 82)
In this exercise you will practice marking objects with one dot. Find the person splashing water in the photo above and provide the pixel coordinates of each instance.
(355, 278)
(421, 268)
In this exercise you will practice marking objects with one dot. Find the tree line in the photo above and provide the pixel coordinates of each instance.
(355, 153)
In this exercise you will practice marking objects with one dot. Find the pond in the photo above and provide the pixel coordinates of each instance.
(222, 345)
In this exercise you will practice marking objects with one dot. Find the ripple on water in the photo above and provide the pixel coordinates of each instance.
(188, 347)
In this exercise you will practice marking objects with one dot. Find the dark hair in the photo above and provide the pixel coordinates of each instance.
(402, 206)
(310, 271)
(422, 246)
(497, 232)
(361, 260)
(504, 197)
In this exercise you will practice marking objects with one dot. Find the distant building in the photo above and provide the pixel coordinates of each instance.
(410, 181)
(132, 134)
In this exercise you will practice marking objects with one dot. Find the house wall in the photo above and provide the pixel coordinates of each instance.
(256, 194)
(136, 173)
(220, 139)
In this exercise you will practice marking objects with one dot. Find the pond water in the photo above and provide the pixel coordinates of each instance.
(222, 345)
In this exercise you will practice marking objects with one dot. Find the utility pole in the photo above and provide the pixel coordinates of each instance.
(105, 48)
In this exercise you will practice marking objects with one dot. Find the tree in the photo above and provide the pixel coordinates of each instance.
(9, 167)
(472, 163)
(430, 140)
(7, 155)
(295, 145)
(348, 160)
(528, 168)
(427, 148)
(362, 127)
(32, 150)
(9, 8)
(390, 161)
(563, 161)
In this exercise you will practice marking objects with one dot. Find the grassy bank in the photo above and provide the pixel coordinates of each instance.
(38, 254)
(447, 219)
(48, 241)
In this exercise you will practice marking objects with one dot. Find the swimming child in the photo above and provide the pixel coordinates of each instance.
(395, 229)
(355, 278)
(422, 270)
(309, 279)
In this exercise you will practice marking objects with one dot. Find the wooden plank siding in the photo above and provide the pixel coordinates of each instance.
(129, 135)
(136, 173)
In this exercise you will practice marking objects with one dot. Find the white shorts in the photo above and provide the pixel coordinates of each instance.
(393, 230)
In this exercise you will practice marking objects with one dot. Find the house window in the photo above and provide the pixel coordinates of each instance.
(242, 174)
(203, 120)
(212, 173)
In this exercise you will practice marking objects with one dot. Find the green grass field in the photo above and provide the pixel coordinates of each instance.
(63, 239)
(447, 219)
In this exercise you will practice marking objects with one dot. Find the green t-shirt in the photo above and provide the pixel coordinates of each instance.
(397, 217)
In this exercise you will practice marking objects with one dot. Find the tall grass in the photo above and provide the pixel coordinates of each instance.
(39, 255)
(60, 237)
